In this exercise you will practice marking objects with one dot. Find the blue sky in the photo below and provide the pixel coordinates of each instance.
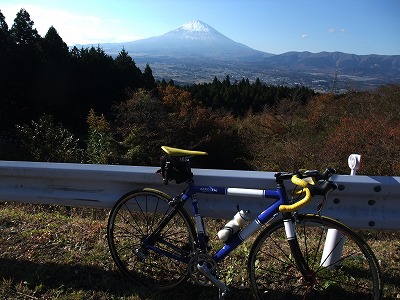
(274, 26)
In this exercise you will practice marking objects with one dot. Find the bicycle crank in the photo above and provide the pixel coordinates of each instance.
(204, 270)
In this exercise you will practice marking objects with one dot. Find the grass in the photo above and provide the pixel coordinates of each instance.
(55, 252)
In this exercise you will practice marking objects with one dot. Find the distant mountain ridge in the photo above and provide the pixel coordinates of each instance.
(201, 52)
(351, 64)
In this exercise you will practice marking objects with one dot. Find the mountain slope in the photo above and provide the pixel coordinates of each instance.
(194, 39)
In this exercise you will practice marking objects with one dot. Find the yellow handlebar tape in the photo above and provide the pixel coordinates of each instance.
(299, 204)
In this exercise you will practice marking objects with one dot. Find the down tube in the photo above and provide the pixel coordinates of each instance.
(247, 231)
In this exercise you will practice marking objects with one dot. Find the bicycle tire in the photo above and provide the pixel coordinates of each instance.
(274, 274)
(131, 220)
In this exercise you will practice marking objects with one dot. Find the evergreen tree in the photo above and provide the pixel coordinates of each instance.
(124, 61)
(93, 85)
(163, 83)
(129, 73)
(54, 47)
(22, 30)
(6, 103)
(148, 79)
(227, 81)
(5, 45)
(4, 34)
(55, 73)
(22, 68)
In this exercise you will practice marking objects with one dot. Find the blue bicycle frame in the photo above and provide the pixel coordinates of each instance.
(279, 195)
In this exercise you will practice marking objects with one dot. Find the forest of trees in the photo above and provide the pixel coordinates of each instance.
(42, 76)
(82, 105)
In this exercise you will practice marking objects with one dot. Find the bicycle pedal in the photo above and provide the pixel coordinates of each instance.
(222, 295)
(141, 254)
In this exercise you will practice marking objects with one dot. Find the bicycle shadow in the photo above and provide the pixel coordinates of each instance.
(75, 277)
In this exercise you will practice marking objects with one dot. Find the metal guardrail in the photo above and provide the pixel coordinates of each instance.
(360, 202)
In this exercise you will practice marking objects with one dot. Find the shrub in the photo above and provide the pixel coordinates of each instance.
(45, 141)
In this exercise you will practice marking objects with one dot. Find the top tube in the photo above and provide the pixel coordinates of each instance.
(194, 189)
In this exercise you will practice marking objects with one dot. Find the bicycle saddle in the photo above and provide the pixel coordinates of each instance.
(175, 152)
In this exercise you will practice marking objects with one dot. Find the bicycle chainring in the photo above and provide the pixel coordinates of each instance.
(194, 272)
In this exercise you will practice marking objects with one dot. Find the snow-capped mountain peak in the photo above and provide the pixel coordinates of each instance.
(195, 25)
(195, 30)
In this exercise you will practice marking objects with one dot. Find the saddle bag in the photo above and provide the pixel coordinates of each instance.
(175, 168)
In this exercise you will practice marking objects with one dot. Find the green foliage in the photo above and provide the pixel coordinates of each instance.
(99, 139)
(243, 97)
(141, 127)
(46, 141)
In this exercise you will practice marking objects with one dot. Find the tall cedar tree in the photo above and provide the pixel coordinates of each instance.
(24, 59)
(22, 30)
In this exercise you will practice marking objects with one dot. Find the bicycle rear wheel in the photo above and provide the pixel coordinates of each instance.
(350, 272)
(161, 262)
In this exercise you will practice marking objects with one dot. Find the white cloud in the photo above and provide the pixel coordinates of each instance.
(334, 30)
(72, 27)
(304, 35)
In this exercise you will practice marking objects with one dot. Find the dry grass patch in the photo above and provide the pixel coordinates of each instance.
(55, 252)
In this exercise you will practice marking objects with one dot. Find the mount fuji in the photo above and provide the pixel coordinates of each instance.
(193, 40)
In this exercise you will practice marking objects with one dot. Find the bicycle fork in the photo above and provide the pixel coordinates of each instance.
(301, 263)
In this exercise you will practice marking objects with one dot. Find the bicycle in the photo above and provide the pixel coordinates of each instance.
(154, 241)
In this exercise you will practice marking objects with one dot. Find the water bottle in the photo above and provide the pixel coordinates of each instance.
(238, 221)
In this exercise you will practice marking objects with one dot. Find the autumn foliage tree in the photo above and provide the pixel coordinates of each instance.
(376, 138)
(325, 131)
(149, 120)
(369, 124)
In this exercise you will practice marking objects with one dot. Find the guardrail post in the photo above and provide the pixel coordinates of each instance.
(334, 239)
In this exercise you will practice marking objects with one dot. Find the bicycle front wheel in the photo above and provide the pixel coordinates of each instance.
(160, 262)
(344, 269)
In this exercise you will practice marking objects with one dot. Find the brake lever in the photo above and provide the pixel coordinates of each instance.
(318, 175)
(333, 186)
(321, 205)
